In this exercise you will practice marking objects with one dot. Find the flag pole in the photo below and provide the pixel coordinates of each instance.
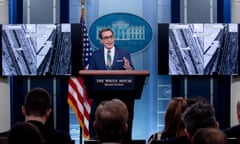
(83, 18)
(81, 139)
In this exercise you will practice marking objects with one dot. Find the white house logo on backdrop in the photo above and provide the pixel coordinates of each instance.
(131, 32)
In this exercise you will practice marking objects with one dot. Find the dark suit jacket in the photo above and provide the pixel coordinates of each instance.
(97, 61)
(233, 131)
(3, 137)
(52, 136)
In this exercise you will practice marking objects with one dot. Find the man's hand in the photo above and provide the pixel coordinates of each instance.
(126, 64)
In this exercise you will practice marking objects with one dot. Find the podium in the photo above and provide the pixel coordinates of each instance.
(122, 84)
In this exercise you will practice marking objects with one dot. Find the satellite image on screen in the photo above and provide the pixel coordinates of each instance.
(36, 49)
(203, 49)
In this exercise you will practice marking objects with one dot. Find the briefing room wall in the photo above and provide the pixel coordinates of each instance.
(31, 11)
(189, 11)
(108, 6)
(164, 11)
(5, 115)
(74, 11)
(3, 11)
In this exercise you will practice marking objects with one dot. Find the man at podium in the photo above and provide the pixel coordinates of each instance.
(110, 58)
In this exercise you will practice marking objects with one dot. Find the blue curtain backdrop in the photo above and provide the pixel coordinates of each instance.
(224, 11)
(15, 11)
(64, 11)
(175, 11)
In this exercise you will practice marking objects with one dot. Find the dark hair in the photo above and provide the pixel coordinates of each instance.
(193, 100)
(111, 118)
(104, 30)
(238, 106)
(173, 118)
(199, 115)
(209, 136)
(37, 102)
(25, 133)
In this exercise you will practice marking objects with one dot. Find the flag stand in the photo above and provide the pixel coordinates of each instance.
(80, 139)
(83, 18)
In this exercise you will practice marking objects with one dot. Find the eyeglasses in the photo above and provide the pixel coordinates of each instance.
(108, 37)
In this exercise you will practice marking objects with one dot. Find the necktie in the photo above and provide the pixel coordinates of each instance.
(109, 59)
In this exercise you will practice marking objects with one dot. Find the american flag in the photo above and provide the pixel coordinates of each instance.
(87, 50)
(77, 95)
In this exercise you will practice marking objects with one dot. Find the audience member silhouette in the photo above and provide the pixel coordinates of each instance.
(25, 133)
(174, 126)
(111, 121)
(37, 109)
(209, 136)
(3, 138)
(234, 132)
(198, 115)
(238, 111)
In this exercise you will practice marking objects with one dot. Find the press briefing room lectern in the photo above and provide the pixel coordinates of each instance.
(108, 84)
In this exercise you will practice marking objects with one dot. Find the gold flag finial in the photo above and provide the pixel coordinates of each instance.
(83, 9)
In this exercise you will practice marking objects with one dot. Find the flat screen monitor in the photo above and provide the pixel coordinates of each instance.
(199, 49)
(39, 49)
